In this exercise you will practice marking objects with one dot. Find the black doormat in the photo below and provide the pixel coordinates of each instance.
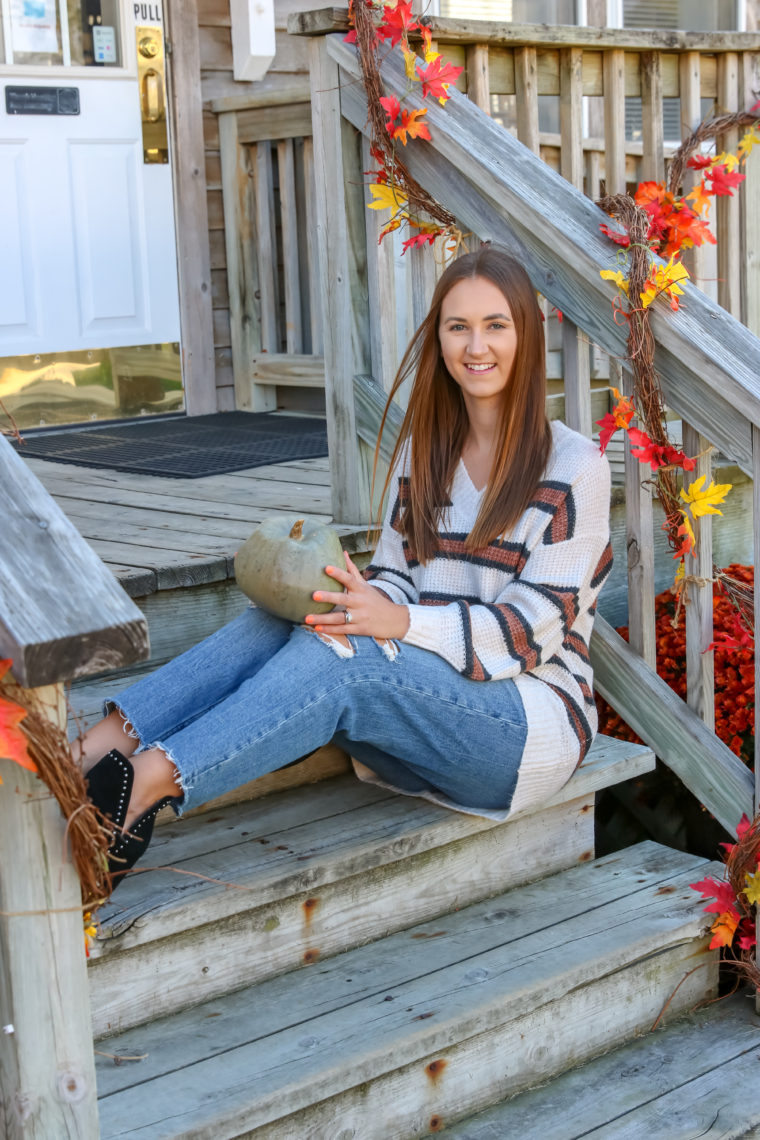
(186, 448)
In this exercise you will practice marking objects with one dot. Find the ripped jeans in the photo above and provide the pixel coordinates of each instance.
(260, 693)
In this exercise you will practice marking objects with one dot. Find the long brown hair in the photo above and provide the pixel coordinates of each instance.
(436, 420)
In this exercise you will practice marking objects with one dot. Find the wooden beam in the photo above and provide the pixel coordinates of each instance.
(663, 721)
(289, 121)
(321, 21)
(526, 87)
(47, 1065)
(614, 121)
(191, 210)
(296, 92)
(62, 613)
(370, 400)
(478, 86)
(344, 351)
(700, 674)
(291, 270)
(652, 125)
(728, 207)
(242, 263)
(708, 362)
(290, 370)
(750, 203)
(639, 541)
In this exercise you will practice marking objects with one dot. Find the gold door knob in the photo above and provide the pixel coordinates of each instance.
(148, 47)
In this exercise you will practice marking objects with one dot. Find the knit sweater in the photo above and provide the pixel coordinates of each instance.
(522, 607)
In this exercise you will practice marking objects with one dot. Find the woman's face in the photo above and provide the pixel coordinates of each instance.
(478, 340)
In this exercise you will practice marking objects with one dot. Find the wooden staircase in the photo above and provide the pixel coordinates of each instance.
(340, 961)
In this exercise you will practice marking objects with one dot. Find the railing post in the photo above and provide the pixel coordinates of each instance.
(756, 519)
(639, 542)
(47, 1069)
(339, 186)
(700, 683)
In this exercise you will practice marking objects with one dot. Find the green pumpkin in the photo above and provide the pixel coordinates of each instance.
(283, 562)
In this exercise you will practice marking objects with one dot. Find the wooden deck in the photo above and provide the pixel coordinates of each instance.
(158, 533)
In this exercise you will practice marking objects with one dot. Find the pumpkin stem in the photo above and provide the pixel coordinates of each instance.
(297, 531)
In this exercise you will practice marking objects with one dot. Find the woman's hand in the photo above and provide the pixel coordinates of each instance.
(371, 613)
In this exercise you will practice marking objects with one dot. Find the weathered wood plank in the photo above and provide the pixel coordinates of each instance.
(344, 349)
(312, 249)
(267, 257)
(526, 88)
(191, 212)
(750, 205)
(289, 370)
(639, 542)
(700, 673)
(570, 115)
(47, 1070)
(321, 21)
(381, 290)
(478, 85)
(614, 121)
(728, 208)
(708, 362)
(367, 1039)
(287, 92)
(652, 126)
(669, 1063)
(290, 237)
(284, 120)
(677, 735)
(577, 368)
(242, 262)
(691, 116)
(62, 614)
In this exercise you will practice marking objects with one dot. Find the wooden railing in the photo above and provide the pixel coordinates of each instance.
(500, 190)
(62, 615)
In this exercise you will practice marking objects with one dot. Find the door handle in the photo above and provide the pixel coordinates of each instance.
(152, 100)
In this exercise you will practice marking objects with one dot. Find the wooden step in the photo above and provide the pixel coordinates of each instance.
(402, 1037)
(265, 887)
(697, 1077)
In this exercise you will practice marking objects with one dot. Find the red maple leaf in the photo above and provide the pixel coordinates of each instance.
(678, 458)
(396, 21)
(392, 108)
(723, 893)
(699, 161)
(645, 450)
(436, 77)
(723, 181)
(418, 241)
(608, 425)
(746, 937)
(350, 37)
(615, 235)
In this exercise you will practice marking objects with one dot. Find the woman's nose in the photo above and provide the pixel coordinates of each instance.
(477, 345)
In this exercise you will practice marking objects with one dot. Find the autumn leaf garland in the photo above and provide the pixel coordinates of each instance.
(391, 186)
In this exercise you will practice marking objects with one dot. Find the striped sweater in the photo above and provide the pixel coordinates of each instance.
(522, 607)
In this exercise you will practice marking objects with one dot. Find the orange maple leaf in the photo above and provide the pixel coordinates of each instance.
(700, 196)
(724, 928)
(13, 743)
(410, 125)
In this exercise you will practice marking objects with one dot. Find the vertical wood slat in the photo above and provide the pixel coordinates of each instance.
(593, 174)
(381, 289)
(526, 89)
(312, 249)
(614, 120)
(691, 116)
(242, 267)
(652, 126)
(750, 202)
(343, 349)
(46, 1062)
(478, 80)
(289, 223)
(576, 364)
(639, 542)
(422, 263)
(700, 685)
(267, 248)
(191, 210)
(728, 209)
(304, 286)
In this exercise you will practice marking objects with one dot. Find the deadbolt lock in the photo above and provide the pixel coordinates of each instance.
(149, 47)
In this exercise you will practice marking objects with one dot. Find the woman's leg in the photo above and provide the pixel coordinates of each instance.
(185, 688)
(463, 738)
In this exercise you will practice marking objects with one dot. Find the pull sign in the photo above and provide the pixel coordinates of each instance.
(42, 100)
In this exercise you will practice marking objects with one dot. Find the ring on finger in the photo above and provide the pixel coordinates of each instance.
(348, 619)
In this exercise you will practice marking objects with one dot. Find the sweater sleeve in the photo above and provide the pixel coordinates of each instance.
(388, 569)
(566, 562)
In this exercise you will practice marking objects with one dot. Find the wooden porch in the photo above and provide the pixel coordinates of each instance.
(449, 963)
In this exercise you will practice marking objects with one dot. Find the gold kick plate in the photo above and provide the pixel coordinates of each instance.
(151, 79)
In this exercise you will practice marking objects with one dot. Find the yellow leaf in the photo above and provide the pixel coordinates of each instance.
(752, 889)
(615, 275)
(703, 501)
(410, 64)
(730, 161)
(386, 197)
(746, 143)
(431, 55)
(664, 279)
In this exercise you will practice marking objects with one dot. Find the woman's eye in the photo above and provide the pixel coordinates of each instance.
(498, 325)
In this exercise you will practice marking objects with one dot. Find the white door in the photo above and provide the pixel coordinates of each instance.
(89, 314)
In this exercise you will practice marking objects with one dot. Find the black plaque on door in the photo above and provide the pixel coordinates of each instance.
(42, 100)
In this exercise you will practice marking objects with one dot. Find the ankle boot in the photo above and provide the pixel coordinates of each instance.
(109, 786)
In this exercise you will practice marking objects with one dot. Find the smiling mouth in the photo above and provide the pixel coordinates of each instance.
(479, 367)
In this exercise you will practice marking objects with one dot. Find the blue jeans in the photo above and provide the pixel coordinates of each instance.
(261, 693)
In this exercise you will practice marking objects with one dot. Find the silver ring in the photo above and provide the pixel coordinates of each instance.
(348, 619)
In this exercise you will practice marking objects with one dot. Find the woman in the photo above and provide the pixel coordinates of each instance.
(458, 667)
